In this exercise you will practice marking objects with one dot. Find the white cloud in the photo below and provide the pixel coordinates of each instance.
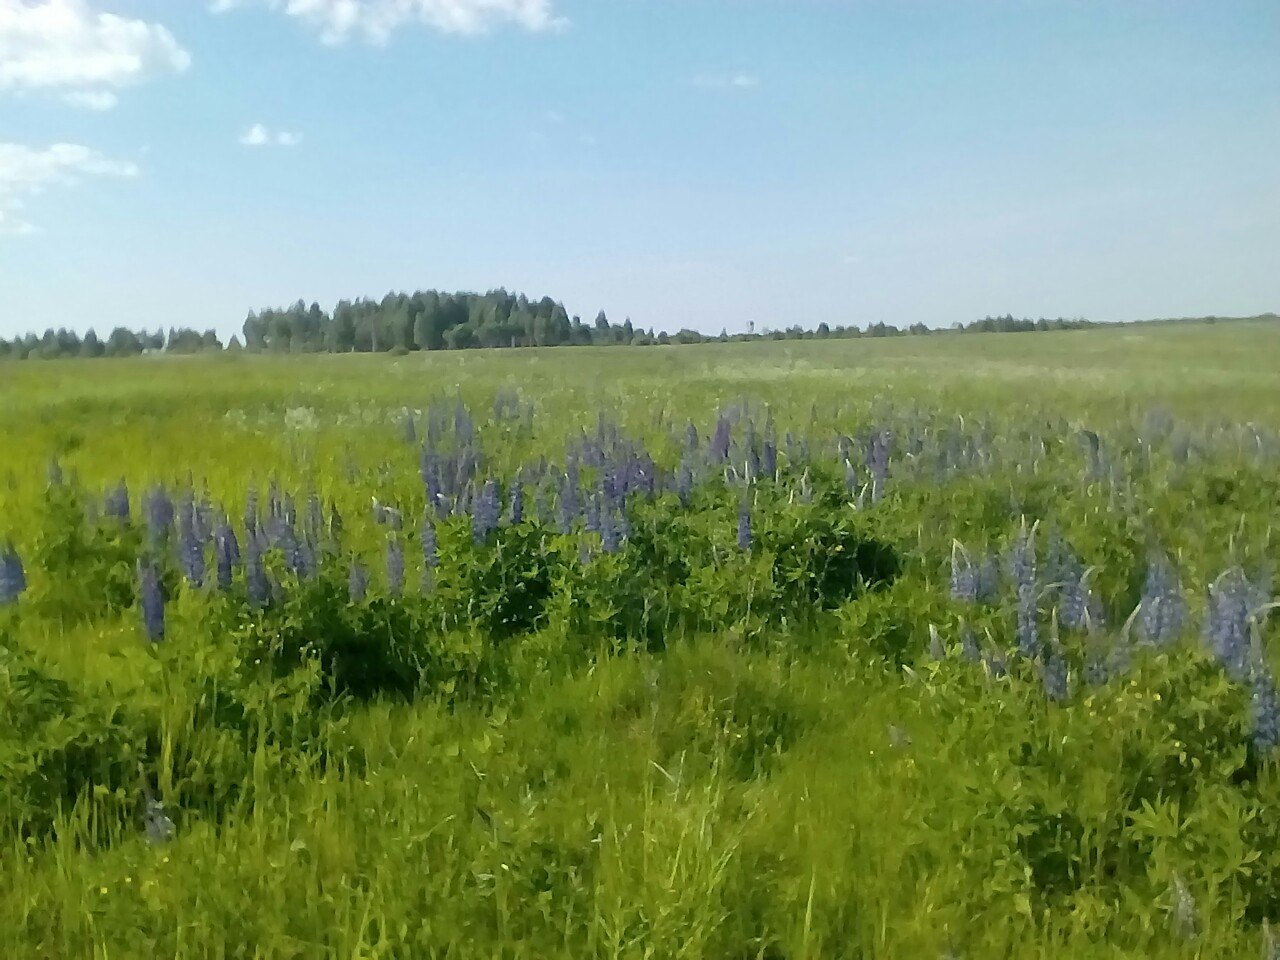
(27, 171)
(260, 136)
(376, 20)
(66, 47)
(726, 81)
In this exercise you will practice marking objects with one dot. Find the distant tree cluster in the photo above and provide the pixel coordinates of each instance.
(121, 343)
(431, 320)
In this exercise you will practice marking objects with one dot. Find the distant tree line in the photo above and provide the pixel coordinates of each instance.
(431, 320)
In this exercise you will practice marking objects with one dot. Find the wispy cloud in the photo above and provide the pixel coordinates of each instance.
(377, 20)
(262, 136)
(726, 81)
(65, 47)
(28, 171)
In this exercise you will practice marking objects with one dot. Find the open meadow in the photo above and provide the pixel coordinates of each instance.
(918, 647)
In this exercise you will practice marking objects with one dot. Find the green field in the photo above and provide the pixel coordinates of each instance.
(948, 646)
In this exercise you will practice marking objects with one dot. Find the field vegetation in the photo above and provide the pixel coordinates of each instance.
(902, 647)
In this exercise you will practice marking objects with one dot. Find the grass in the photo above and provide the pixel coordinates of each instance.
(678, 758)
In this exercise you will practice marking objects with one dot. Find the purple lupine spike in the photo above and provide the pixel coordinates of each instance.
(1265, 709)
(315, 517)
(487, 512)
(427, 536)
(878, 464)
(744, 526)
(13, 578)
(517, 502)
(1055, 675)
(395, 567)
(610, 538)
(691, 438)
(1022, 572)
(190, 547)
(257, 586)
(160, 515)
(303, 559)
(684, 483)
(769, 459)
(721, 440)
(591, 515)
(116, 502)
(227, 553)
(1226, 627)
(964, 578)
(151, 600)
(1162, 616)
(251, 524)
(357, 582)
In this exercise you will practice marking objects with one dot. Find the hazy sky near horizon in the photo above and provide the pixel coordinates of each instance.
(698, 163)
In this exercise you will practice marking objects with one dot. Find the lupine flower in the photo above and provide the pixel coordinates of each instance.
(610, 538)
(487, 512)
(160, 513)
(13, 578)
(684, 483)
(987, 579)
(721, 440)
(335, 524)
(357, 582)
(995, 664)
(160, 828)
(691, 438)
(878, 464)
(395, 567)
(517, 502)
(256, 583)
(116, 502)
(591, 515)
(427, 536)
(744, 525)
(1022, 571)
(1265, 706)
(227, 553)
(151, 600)
(1226, 627)
(190, 547)
(964, 578)
(769, 459)
(1055, 674)
(1162, 613)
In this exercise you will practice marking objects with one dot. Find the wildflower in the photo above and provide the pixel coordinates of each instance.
(1021, 562)
(487, 511)
(357, 582)
(517, 503)
(159, 511)
(227, 553)
(1265, 706)
(721, 440)
(611, 539)
(1226, 627)
(160, 828)
(684, 483)
(878, 464)
(1055, 674)
(427, 536)
(13, 578)
(964, 578)
(744, 526)
(769, 459)
(395, 567)
(256, 583)
(151, 599)
(335, 524)
(1162, 609)
(116, 502)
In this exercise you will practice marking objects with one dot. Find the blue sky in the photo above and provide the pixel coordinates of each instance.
(698, 163)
